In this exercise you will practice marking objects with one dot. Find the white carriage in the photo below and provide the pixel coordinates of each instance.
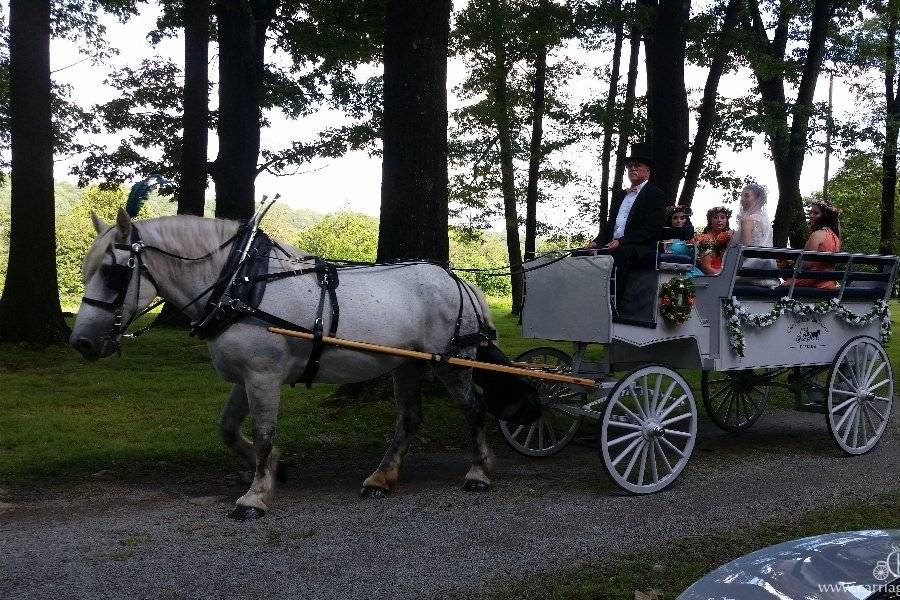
(823, 345)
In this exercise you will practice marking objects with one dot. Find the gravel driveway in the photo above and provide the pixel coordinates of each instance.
(171, 539)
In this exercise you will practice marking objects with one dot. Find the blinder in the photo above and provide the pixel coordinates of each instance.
(117, 277)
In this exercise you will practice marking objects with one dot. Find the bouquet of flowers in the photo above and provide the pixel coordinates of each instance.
(711, 243)
(722, 239)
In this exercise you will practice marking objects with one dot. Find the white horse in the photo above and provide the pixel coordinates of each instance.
(412, 306)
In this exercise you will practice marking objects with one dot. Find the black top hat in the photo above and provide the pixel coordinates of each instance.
(640, 152)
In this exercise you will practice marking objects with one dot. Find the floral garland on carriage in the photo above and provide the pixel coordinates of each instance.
(737, 315)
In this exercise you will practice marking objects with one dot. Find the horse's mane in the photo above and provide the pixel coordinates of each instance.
(185, 235)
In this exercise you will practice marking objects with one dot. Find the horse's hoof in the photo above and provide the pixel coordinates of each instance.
(476, 485)
(246, 513)
(281, 472)
(373, 492)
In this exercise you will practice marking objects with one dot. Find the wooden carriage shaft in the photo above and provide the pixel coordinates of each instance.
(459, 362)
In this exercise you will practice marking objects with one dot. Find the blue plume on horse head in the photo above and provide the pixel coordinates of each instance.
(140, 191)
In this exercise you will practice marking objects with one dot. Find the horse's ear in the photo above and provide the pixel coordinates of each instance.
(99, 225)
(123, 222)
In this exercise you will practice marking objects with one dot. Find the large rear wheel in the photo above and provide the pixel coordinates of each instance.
(860, 395)
(735, 400)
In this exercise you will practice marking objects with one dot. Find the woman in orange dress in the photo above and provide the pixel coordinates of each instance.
(825, 237)
(712, 243)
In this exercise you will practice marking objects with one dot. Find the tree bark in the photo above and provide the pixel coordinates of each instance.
(500, 95)
(708, 105)
(892, 127)
(627, 110)
(789, 127)
(414, 165)
(29, 308)
(609, 115)
(667, 106)
(192, 192)
(536, 151)
(242, 28)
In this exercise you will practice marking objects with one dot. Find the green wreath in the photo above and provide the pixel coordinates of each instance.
(676, 300)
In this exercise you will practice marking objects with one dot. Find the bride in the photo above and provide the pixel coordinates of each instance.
(755, 229)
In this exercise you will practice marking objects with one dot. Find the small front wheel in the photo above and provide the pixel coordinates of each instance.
(557, 426)
(648, 429)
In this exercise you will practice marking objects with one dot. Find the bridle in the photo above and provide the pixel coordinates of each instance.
(118, 277)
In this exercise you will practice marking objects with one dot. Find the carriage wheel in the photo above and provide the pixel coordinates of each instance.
(860, 395)
(648, 429)
(555, 428)
(734, 400)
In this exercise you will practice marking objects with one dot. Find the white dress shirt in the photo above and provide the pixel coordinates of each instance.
(625, 210)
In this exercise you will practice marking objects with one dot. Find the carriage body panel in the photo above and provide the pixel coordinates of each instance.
(792, 340)
(568, 299)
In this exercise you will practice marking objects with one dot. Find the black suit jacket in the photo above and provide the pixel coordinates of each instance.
(645, 221)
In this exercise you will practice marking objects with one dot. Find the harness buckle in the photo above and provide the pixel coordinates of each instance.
(137, 247)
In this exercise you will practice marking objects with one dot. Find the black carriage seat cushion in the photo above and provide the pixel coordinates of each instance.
(678, 259)
(757, 292)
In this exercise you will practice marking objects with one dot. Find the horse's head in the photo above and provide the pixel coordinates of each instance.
(117, 286)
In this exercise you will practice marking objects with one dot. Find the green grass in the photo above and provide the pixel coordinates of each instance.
(669, 568)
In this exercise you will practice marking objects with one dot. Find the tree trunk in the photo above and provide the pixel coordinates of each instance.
(788, 140)
(627, 110)
(192, 192)
(414, 165)
(242, 28)
(667, 106)
(501, 107)
(708, 106)
(29, 308)
(536, 153)
(892, 126)
(609, 116)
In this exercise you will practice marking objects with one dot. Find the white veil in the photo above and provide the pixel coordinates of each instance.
(761, 232)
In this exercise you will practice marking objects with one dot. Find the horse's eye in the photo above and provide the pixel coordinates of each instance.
(115, 276)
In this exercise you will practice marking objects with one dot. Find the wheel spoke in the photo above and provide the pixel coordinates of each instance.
(673, 406)
(627, 451)
(866, 409)
(668, 422)
(552, 433)
(843, 392)
(662, 453)
(655, 405)
(840, 423)
(672, 447)
(516, 433)
(852, 412)
(528, 437)
(541, 433)
(643, 465)
(636, 418)
(883, 382)
(634, 457)
(875, 374)
(626, 425)
(677, 433)
(838, 408)
(623, 439)
(637, 403)
(654, 472)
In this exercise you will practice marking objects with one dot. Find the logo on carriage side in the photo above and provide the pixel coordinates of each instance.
(807, 332)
